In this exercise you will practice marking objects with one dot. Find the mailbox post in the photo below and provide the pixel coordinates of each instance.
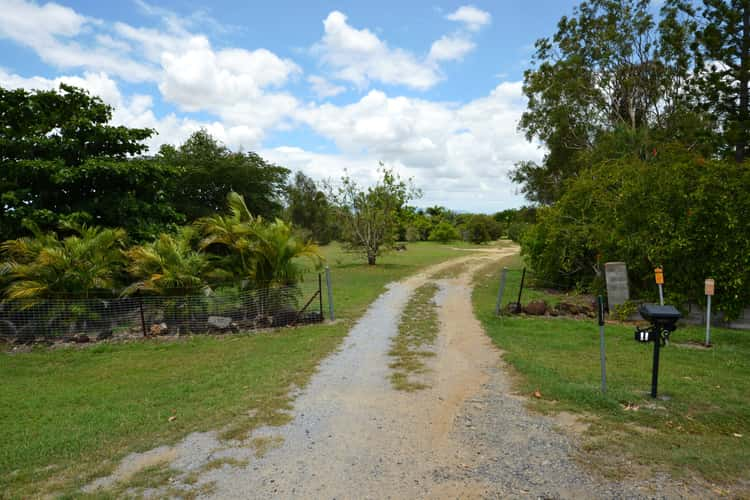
(663, 321)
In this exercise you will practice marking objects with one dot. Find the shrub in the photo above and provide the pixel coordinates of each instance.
(478, 229)
(412, 234)
(444, 232)
(676, 210)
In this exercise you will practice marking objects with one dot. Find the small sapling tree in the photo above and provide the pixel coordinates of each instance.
(368, 215)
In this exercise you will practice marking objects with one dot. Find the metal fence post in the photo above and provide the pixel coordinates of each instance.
(498, 304)
(520, 291)
(320, 295)
(330, 294)
(143, 319)
(600, 314)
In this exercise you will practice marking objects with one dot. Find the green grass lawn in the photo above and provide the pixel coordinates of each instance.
(703, 428)
(66, 416)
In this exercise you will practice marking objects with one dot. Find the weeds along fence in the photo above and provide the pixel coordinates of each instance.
(225, 309)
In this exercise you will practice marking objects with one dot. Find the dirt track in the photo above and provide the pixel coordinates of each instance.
(354, 436)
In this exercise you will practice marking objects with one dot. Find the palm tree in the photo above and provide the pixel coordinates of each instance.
(170, 265)
(228, 237)
(277, 254)
(266, 254)
(262, 254)
(44, 266)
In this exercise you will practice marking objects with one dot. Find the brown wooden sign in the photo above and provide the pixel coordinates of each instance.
(709, 287)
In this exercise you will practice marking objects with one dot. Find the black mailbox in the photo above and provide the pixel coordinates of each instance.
(663, 321)
(664, 317)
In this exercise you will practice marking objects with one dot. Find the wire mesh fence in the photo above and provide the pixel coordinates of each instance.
(226, 309)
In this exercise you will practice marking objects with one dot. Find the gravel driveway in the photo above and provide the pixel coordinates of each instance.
(354, 436)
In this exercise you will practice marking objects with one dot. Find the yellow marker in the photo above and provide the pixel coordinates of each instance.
(659, 274)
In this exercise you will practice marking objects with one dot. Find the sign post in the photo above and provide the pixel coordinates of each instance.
(659, 275)
(600, 304)
(709, 293)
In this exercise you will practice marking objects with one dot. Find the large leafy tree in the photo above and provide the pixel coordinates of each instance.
(210, 171)
(604, 70)
(309, 208)
(368, 215)
(61, 159)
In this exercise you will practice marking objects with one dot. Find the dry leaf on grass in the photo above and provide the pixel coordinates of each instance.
(736, 435)
(537, 394)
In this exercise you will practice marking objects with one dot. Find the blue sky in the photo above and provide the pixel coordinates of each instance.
(432, 89)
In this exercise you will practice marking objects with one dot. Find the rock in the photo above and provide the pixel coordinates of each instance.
(511, 308)
(567, 308)
(587, 308)
(158, 329)
(286, 316)
(536, 308)
(104, 335)
(219, 322)
(311, 317)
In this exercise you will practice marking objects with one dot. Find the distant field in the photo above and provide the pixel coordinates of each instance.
(705, 425)
(68, 415)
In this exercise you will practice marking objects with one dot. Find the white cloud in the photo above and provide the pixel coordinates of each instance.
(35, 25)
(460, 154)
(50, 29)
(236, 85)
(133, 111)
(471, 17)
(323, 88)
(359, 56)
(450, 48)
(231, 84)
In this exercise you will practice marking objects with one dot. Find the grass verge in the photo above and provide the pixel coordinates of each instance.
(703, 428)
(417, 331)
(69, 415)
